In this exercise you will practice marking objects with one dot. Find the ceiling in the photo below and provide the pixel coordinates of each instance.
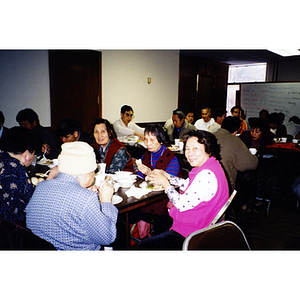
(236, 57)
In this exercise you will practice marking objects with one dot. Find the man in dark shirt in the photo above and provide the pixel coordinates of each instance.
(69, 130)
(45, 143)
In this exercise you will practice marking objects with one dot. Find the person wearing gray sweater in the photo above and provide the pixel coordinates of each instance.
(235, 156)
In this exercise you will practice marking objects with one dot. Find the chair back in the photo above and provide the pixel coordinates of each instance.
(223, 209)
(221, 236)
(17, 237)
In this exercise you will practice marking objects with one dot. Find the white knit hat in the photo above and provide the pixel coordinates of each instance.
(77, 158)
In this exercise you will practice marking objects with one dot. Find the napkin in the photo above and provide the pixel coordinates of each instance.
(137, 192)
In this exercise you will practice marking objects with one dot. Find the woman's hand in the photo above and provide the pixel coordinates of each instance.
(159, 177)
(144, 169)
(105, 191)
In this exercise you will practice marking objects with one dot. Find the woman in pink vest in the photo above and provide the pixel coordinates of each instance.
(200, 197)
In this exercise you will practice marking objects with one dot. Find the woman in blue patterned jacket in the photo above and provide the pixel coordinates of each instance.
(15, 186)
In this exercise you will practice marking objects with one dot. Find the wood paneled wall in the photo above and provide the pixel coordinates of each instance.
(201, 84)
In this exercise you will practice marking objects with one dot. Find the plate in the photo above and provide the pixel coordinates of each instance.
(174, 148)
(158, 188)
(116, 199)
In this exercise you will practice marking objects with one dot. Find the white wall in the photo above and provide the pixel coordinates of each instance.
(124, 81)
(24, 83)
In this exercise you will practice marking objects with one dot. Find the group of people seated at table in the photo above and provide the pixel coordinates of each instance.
(65, 209)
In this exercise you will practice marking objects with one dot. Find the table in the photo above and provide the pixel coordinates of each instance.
(32, 170)
(130, 203)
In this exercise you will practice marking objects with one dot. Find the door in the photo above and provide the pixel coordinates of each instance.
(75, 86)
(204, 93)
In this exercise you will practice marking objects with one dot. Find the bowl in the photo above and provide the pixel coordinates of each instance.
(125, 182)
(123, 174)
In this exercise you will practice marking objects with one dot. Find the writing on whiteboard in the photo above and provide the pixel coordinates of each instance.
(275, 97)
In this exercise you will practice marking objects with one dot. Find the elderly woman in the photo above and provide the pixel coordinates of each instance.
(201, 196)
(108, 149)
(15, 185)
(158, 156)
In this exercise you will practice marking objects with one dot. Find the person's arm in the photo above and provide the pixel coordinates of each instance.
(100, 218)
(174, 167)
(203, 188)
(244, 160)
(122, 130)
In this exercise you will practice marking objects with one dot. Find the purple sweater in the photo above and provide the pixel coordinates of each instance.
(199, 217)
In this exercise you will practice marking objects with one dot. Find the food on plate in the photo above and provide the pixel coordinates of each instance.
(173, 148)
(156, 187)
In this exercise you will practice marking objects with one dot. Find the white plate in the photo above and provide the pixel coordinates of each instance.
(116, 199)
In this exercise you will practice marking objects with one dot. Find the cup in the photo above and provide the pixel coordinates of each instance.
(283, 140)
(180, 145)
(99, 178)
(295, 141)
(177, 142)
(253, 151)
(101, 168)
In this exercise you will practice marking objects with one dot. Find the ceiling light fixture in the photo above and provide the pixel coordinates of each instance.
(286, 52)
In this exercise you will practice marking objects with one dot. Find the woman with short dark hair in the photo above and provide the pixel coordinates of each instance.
(108, 149)
(16, 187)
(158, 155)
(200, 197)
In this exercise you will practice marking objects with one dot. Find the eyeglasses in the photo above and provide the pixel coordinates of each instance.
(129, 115)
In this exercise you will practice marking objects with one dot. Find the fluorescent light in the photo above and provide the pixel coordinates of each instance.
(286, 52)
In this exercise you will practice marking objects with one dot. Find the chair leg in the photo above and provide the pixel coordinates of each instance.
(265, 200)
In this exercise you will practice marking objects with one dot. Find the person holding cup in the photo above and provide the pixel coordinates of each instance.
(109, 149)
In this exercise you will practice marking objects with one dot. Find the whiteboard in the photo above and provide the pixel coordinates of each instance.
(274, 97)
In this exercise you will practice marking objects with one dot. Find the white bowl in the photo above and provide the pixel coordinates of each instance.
(124, 182)
(123, 174)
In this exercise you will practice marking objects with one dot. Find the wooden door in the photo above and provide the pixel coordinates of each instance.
(204, 93)
(75, 86)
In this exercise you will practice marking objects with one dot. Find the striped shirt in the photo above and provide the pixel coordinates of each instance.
(173, 167)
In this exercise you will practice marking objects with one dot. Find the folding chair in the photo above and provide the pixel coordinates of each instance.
(221, 236)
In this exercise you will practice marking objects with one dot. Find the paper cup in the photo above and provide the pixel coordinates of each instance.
(283, 140)
(101, 168)
(180, 145)
(253, 151)
(177, 142)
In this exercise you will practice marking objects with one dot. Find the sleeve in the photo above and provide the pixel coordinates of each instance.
(173, 167)
(119, 161)
(137, 128)
(100, 222)
(180, 182)
(244, 160)
(203, 188)
(121, 130)
(139, 173)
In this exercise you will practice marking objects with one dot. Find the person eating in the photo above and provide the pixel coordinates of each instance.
(157, 156)
(109, 149)
(201, 196)
(15, 185)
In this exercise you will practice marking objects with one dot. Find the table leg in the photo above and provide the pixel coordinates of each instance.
(127, 225)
